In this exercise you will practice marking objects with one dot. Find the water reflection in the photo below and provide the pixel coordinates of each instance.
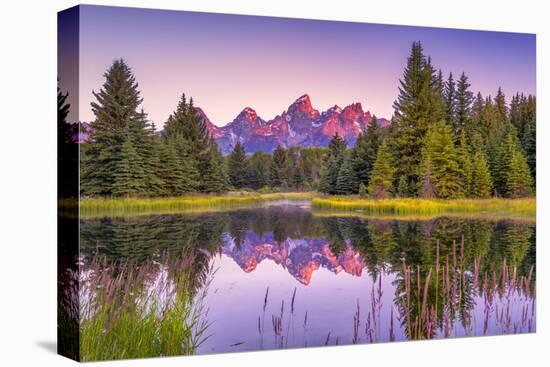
(287, 278)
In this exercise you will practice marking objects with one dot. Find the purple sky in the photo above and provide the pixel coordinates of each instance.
(228, 62)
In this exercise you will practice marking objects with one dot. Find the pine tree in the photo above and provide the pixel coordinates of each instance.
(346, 183)
(333, 162)
(336, 146)
(363, 154)
(529, 143)
(518, 182)
(215, 177)
(427, 189)
(380, 183)
(474, 130)
(501, 165)
(259, 169)
(171, 170)
(128, 173)
(186, 127)
(329, 175)
(418, 105)
(279, 167)
(512, 177)
(238, 166)
(185, 122)
(450, 99)
(440, 163)
(188, 161)
(464, 163)
(145, 144)
(482, 185)
(117, 122)
(501, 108)
(464, 99)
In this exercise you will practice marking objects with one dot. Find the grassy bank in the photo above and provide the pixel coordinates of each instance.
(525, 208)
(172, 205)
(128, 312)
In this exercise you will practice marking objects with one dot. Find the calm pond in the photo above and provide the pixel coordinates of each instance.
(282, 276)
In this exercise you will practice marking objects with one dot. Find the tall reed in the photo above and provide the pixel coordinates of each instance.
(147, 311)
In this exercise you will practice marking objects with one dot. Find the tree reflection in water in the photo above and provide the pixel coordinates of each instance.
(448, 276)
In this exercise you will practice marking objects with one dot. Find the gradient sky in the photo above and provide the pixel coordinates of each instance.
(228, 62)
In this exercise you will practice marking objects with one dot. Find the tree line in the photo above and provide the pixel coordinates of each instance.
(125, 155)
(442, 142)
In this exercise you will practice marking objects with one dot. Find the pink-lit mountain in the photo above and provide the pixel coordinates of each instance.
(299, 124)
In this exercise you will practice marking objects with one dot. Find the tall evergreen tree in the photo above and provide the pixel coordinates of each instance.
(346, 182)
(117, 122)
(450, 99)
(238, 166)
(482, 184)
(464, 100)
(336, 146)
(188, 161)
(184, 121)
(128, 172)
(440, 162)
(363, 154)
(464, 162)
(511, 172)
(529, 143)
(334, 160)
(418, 105)
(279, 167)
(145, 143)
(427, 187)
(518, 181)
(186, 127)
(501, 108)
(259, 170)
(215, 177)
(171, 171)
(329, 175)
(381, 179)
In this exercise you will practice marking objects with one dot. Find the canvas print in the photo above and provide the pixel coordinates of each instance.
(235, 183)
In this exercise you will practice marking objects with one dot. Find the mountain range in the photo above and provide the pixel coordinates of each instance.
(300, 124)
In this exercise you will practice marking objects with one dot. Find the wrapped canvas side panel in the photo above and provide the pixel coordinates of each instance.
(68, 312)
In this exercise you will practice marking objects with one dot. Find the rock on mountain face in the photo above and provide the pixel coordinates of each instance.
(300, 124)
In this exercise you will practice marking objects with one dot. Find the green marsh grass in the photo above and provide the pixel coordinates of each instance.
(128, 313)
(417, 208)
(90, 207)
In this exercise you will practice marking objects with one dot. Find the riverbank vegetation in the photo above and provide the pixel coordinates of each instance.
(172, 205)
(142, 312)
(525, 207)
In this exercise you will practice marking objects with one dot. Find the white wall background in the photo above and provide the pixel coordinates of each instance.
(28, 186)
